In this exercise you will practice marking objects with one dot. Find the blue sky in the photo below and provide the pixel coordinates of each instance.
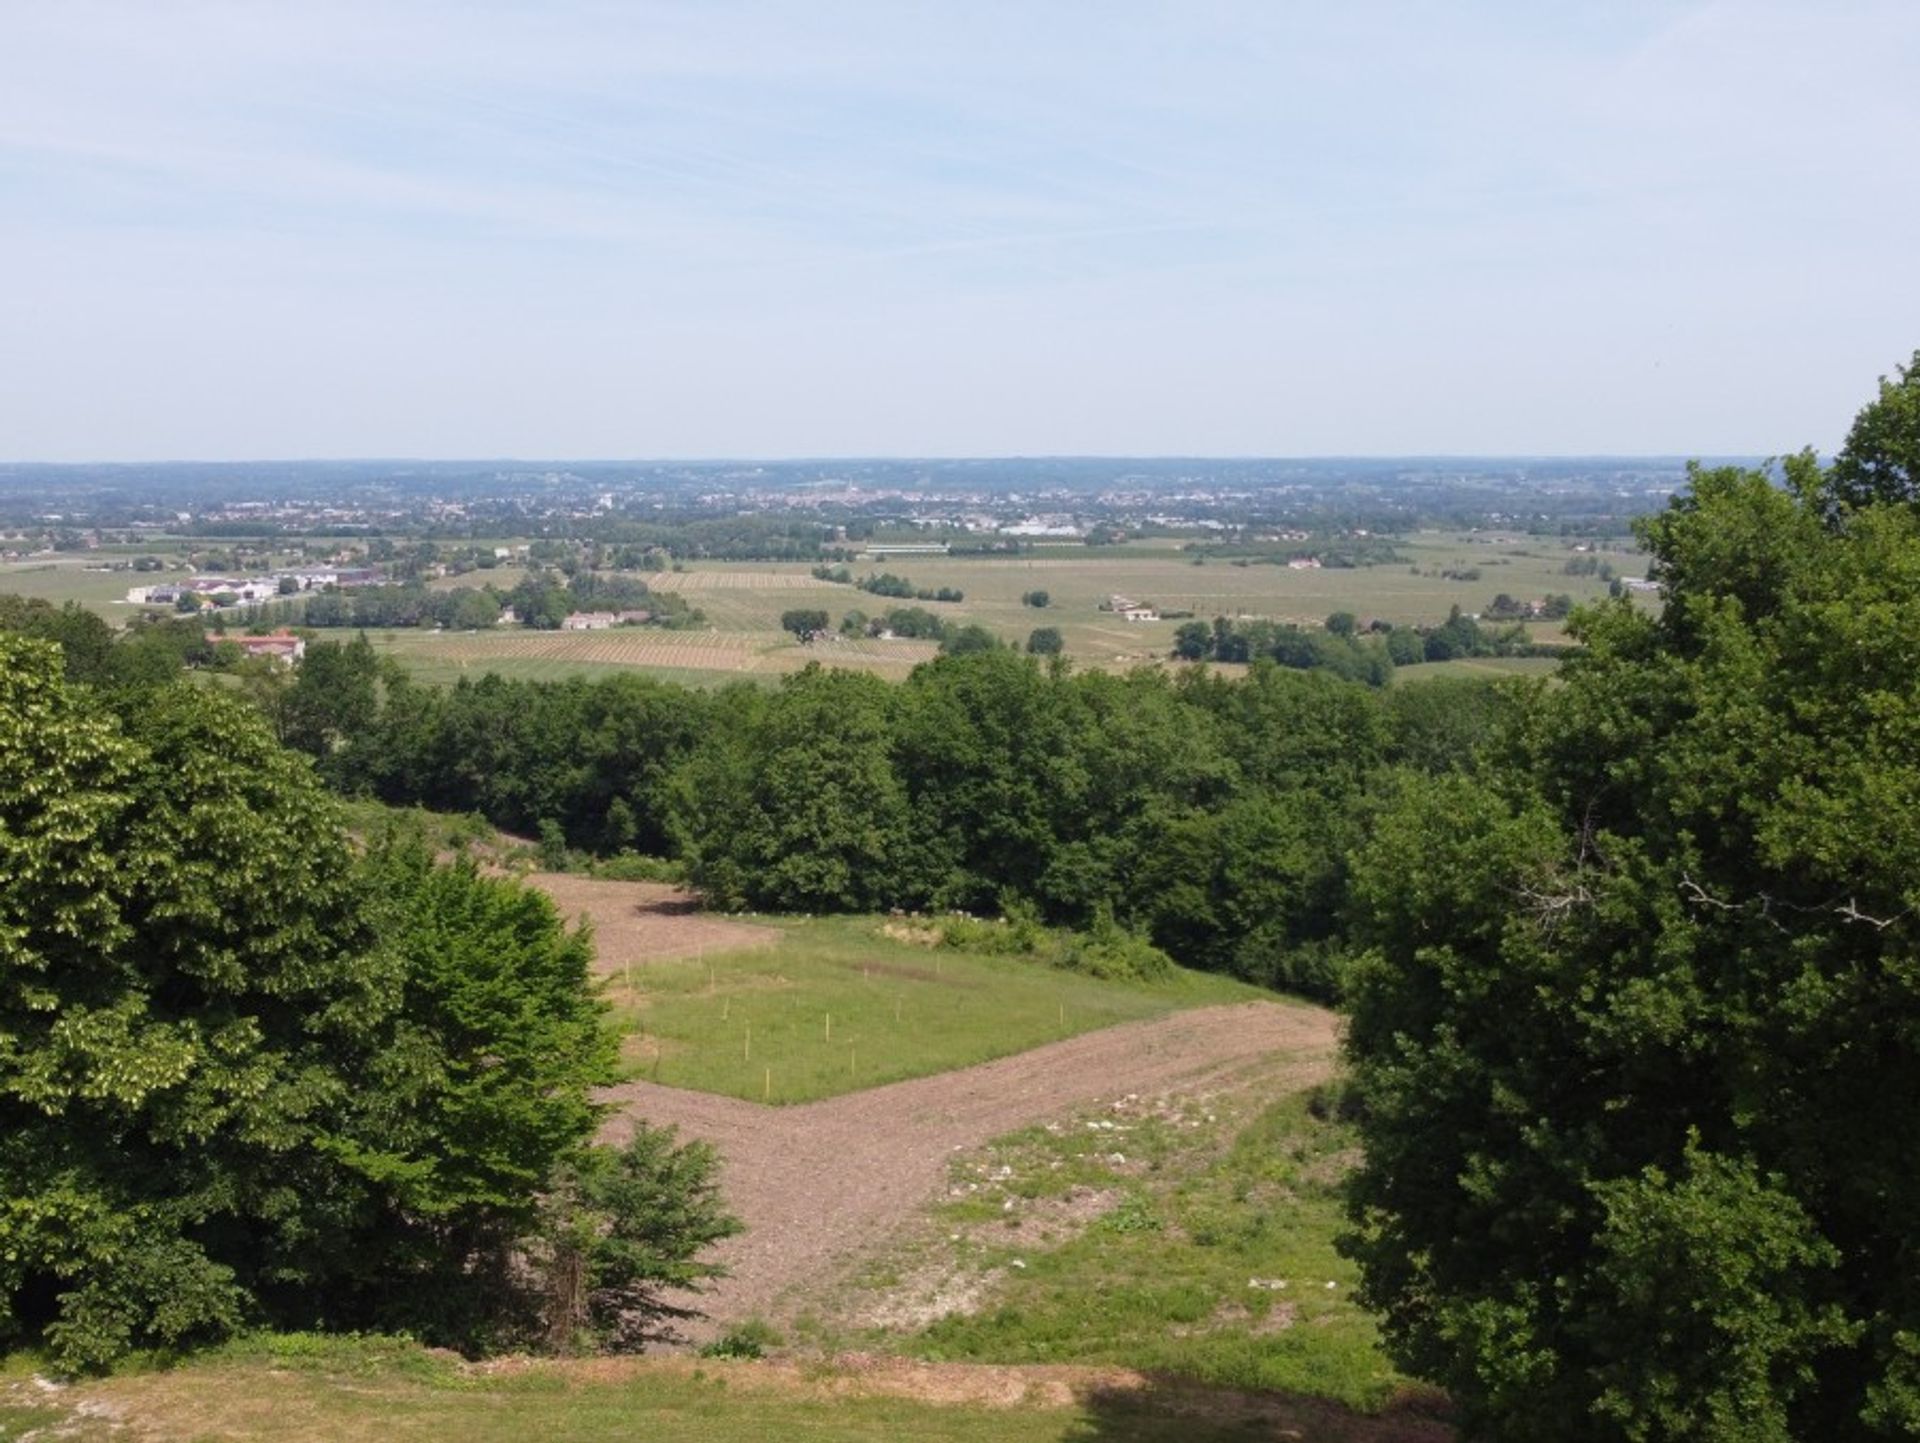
(759, 228)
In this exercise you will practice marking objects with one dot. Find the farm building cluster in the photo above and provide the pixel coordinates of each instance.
(252, 591)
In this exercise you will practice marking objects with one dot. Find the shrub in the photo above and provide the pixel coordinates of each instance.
(634, 867)
(750, 1339)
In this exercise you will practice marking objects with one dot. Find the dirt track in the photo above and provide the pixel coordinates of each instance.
(820, 1183)
(635, 922)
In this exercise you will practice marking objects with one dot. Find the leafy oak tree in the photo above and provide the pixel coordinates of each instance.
(186, 985)
(795, 803)
(1639, 1034)
(1880, 461)
(804, 622)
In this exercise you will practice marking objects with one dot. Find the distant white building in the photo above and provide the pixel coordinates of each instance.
(257, 589)
(603, 620)
(1043, 526)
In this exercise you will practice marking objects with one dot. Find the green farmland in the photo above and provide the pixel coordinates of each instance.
(742, 603)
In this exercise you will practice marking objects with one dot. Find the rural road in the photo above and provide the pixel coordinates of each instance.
(819, 1183)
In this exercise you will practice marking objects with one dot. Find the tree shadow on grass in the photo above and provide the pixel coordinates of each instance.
(1168, 1410)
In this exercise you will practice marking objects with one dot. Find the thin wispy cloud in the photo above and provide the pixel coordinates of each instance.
(763, 227)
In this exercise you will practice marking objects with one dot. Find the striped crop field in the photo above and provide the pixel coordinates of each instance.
(551, 655)
(797, 579)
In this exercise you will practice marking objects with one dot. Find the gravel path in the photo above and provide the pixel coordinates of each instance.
(820, 1183)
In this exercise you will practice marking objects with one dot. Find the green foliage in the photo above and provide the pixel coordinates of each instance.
(750, 1339)
(1106, 950)
(1880, 462)
(804, 622)
(332, 700)
(1640, 1002)
(247, 1076)
(553, 846)
(1211, 817)
(499, 1039)
(146, 654)
(1336, 649)
(619, 1225)
(1045, 641)
(461, 608)
(967, 640)
(85, 641)
(797, 806)
(169, 1048)
(634, 867)
(887, 584)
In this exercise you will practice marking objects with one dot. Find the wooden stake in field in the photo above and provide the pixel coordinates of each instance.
(829, 1027)
(746, 1049)
(726, 1008)
(896, 1009)
(766, 1087)
(853, 1060)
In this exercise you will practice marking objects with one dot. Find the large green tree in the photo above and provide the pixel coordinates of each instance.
(1639, 1035)
(248, 1076)
(186, 983)
(1880, 461)
(796, 802)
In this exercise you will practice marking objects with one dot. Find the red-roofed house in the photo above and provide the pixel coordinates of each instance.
(281, 645)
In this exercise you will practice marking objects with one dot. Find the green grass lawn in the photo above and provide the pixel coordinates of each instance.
(313, 1390)
(1203, 1250)
(68, 577)
(836, 1006)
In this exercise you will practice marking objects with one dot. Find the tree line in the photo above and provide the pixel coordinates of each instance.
(1345, 650)
(1210, 815)
(542, 600)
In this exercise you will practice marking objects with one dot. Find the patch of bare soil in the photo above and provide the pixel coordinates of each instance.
(913, 933)
(820, 1184)
(635, 922)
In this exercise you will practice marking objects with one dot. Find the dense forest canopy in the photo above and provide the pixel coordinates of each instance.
(1210, 815)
